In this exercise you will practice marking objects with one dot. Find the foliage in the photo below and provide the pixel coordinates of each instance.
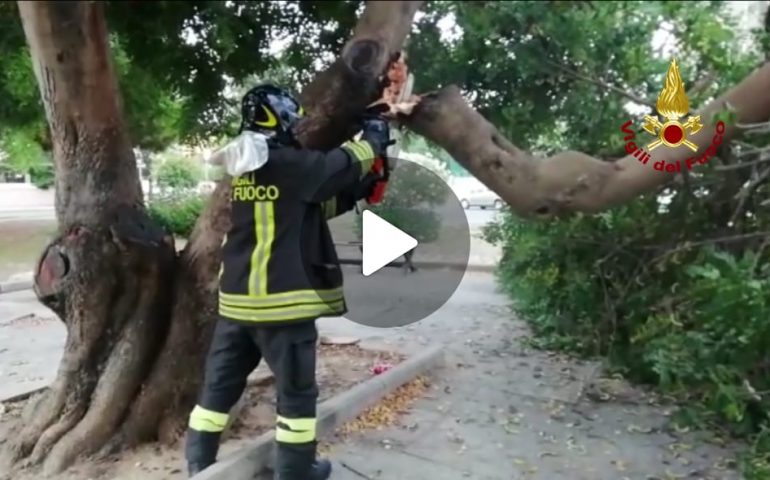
(23, 153)
(671, 288)
(178, 172)
(524, 65)
(43, 176)
(177, 214)
(176, 60)
(687, 315)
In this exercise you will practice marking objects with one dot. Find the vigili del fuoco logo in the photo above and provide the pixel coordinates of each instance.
(672, 105)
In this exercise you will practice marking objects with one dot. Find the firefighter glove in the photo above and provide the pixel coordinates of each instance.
(376, 131)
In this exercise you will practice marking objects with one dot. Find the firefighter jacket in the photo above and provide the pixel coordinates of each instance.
(279, 263)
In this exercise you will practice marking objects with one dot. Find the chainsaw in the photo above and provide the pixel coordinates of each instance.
(383, 166)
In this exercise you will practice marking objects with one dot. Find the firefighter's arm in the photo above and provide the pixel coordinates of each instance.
(346, 200)
(327, 175)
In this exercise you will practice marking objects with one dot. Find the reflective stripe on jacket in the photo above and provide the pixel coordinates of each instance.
(278, 258)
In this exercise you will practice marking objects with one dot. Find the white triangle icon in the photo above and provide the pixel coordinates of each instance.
(382, 243)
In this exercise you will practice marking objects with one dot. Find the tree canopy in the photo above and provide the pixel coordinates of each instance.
(549, 75)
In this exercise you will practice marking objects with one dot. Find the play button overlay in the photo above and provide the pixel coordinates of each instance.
(403, 259)
(382, 243)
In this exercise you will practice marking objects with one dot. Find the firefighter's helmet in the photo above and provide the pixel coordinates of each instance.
(270, 110)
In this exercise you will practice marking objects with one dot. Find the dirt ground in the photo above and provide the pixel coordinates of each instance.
(338, 369)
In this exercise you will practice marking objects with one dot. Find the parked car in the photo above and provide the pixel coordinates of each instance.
(482, 198)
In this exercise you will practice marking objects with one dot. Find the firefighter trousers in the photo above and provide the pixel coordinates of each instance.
(235, 351)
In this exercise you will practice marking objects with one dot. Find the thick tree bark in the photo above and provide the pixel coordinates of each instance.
(138, 319)
(569, 181)
(107, 273)
(333, 99)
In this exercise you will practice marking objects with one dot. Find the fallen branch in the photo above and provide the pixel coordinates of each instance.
(356, 472)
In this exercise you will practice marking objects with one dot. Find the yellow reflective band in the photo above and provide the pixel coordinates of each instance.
(295, 430)
(285, 436)
(222, 264)
(204, 420)
(264, 233)
(363, 153)
(368, 149)
(297, 424)
(271, 120)
(361, 150)
(279, 314)
(330, 208)
(269, 219)
(282, 299)
(254, 262)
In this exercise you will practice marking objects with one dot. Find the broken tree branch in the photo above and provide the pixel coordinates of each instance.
(569, 181)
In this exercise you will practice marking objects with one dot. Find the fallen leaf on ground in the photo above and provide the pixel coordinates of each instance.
(621, 465)
(390, 408)
(637, 429)
(673, 476)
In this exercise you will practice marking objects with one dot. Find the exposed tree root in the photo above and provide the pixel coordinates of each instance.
(115, 304)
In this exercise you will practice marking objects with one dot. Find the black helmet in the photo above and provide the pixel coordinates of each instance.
(270, 110)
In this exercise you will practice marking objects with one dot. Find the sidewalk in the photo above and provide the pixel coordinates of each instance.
(31, 344)
(502, 411)
(498, 411)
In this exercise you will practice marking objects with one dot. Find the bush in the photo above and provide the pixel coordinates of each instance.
(42, 176)
(178, 173)
(690, 316)
(177, 215)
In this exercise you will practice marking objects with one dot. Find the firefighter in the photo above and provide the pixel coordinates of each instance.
(279, 273)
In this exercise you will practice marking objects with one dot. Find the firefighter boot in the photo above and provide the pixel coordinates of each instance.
(195, 468)
(200, 451)
(321, 470)
(297, 462)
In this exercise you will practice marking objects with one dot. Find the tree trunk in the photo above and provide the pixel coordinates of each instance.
(139, 318)
(107, 273)
(568, 181)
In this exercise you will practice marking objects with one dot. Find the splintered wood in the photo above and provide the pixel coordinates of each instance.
(397, 94)
(389, 410)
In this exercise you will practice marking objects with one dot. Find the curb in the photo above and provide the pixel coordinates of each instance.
(245, 463)
(431, 265)
(23, 396)
(15, 286)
